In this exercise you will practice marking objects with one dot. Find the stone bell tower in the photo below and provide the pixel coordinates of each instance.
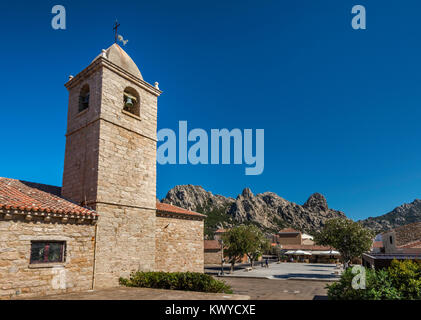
(110, 161)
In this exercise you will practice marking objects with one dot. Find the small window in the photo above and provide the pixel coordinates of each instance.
(47, 251)
(391, 239)
(84, 98)
(131, 101)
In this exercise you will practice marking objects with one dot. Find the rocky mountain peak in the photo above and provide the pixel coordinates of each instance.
(247, 193)
(267, 210)
(316, 201)
(405, 214)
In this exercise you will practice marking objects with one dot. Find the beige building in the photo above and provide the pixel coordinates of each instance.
(213, 252)
(105, 221)
(401, 243)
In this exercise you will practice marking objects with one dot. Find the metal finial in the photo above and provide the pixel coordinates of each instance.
(116, 25)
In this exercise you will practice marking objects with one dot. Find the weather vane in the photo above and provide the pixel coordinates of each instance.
(118, 37)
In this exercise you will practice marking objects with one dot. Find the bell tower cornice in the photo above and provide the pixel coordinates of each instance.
(105, 63)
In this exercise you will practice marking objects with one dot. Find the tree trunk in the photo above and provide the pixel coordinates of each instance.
(232, 267)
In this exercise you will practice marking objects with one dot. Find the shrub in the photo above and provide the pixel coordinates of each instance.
(189, 281)
(402, 280)
(406, 277)
(378, 287)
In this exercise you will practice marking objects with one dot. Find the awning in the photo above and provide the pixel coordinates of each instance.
(298, 253)
(326, 253)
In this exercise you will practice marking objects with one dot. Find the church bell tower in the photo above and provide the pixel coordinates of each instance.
(110, 161)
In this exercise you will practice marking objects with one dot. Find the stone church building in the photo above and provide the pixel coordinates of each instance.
(104, 222)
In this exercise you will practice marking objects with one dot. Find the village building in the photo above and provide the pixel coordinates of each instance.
(300, 247)
(401, 243)
(104, 222)
(213, 252)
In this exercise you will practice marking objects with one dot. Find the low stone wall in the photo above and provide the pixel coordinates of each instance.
(179, 244)
(213, 256)
(19, 278)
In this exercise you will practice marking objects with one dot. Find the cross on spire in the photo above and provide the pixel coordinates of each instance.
(116, 25)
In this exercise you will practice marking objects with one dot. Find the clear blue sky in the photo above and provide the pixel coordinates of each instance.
(341, 108)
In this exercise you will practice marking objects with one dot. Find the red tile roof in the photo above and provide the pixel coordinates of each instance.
(221, 230)
(168, 208)
(212, 245)
(414, 244)
(289, 230)
(35, 197)
(378, 244)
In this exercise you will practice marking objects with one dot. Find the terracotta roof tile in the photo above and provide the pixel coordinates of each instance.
(168, 208)
(377, 244)
(35, 197)
(289, 230)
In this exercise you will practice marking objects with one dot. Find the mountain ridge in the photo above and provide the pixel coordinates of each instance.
(267, 210)
(271, 212)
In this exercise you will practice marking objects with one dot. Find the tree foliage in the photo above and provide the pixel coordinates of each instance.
(350, 238)
(244, 240)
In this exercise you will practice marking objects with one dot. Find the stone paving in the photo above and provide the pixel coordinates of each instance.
(267, 289)
(125, 293)
(284, 281)
(291, 271)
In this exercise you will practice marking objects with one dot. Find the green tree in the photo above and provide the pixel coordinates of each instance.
(244, 240)
(257, 244)
(350, 238)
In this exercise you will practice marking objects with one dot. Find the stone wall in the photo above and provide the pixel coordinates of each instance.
(213, 256)
(179, 245)
(126, 243)
(82, 143)
(289, 239)
(19, 278)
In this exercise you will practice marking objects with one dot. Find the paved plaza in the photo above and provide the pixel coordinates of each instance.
(126, 293)
(283, 281)
(266, 289)
(285, 271)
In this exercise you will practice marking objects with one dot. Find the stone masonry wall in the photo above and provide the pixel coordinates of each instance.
(19, 278)
(213, 256)
(126, 190)
(82, 142)
(179, 245)
(126, 243)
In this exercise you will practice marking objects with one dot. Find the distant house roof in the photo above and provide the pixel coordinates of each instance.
(377, 244)
(212, 245)
(289, 230)
(170, 209)
(406, 234)
(413, 244)
(22, 196)
(221, 230)
(305, 247)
